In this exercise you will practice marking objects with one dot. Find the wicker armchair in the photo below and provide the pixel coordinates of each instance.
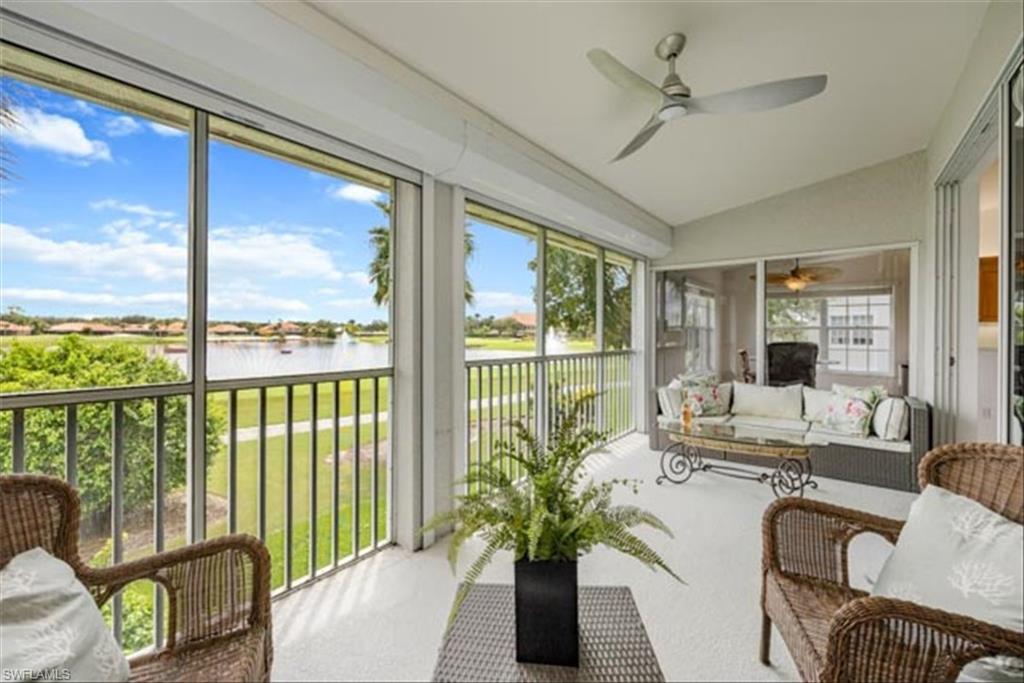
(837, 633)
(218, 591)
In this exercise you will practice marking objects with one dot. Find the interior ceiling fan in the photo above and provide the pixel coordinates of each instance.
(797, 279)
(673, 100)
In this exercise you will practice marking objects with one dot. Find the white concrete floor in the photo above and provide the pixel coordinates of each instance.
(383, 618)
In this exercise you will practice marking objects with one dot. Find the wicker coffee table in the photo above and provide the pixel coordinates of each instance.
(480, 645)
(791, 454)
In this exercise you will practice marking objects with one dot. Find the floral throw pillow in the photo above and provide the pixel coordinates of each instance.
(848, 415)
(709, 400)
(870, 395)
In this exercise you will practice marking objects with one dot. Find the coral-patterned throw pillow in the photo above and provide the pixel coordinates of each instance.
(709, 400)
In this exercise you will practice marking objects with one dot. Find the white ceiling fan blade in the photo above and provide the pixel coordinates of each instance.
(759, 97)
(641, 138)
(624, 77)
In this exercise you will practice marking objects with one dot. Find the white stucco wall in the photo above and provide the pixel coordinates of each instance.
(877, 205)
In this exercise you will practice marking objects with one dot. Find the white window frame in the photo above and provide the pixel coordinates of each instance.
(825, 328)
(706, 335)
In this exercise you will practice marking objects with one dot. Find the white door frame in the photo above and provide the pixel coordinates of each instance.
(988, 129)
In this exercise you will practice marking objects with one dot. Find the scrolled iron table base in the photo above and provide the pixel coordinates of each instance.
(790, 477)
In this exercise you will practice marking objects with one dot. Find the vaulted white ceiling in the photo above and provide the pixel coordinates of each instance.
(891, 68)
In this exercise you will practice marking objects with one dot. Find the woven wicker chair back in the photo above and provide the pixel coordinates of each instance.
(38, 512)
(992, 474)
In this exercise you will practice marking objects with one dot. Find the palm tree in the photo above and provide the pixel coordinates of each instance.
(380, 266)
(8, 120)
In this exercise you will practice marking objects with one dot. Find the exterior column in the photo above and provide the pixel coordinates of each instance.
(406, 395)
(443, 344)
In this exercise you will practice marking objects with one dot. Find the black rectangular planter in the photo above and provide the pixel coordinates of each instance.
(547, 614)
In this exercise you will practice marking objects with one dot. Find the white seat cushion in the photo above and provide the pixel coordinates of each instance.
(760, 401)
(49, 624)
(845, 439)
(774, 423)
(956, 555)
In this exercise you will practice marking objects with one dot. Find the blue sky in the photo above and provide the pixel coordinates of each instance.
(94, 223)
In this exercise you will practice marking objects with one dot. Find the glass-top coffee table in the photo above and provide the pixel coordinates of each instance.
(790, 451)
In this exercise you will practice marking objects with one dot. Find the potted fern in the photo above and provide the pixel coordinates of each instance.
(548, 518)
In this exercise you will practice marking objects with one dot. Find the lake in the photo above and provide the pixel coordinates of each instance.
(233, 358)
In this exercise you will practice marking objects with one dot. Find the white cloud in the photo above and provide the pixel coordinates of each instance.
(359, 277)
(137, 209)
(271, 253)
(58, 134)
(241, 300)
(119, 126)
(166, 131)
(328, 291)
(503, 300)
(95, 298)
(353, 302)
(356, 193)
(130, 255)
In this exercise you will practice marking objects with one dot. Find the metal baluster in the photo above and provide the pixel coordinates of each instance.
(336, 461)
(261, 464)
(501, 415)
(373, 474)
(389, 488)
(158, 515)
(491, 415)
(314, 432)
(355, 469)
(117, 507)
(479, 420)
(289, 442)
(232, 461)
(469, 419)
(18, 439)
(519, 417)
(71, 444)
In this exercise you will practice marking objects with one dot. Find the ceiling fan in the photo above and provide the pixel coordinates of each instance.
(797, 279)
(672, 100)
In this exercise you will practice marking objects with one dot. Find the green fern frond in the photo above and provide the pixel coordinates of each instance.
(628, 544)
(631, 516)
(473, 573)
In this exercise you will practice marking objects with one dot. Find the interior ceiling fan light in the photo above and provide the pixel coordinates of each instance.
(796, 284)
(672, 111)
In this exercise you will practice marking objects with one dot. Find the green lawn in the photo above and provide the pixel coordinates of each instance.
(133, 339)
(248, 401)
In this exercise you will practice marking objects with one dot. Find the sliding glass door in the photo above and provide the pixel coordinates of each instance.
(1015, 183)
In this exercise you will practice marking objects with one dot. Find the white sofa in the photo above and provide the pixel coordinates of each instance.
(867, 459)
